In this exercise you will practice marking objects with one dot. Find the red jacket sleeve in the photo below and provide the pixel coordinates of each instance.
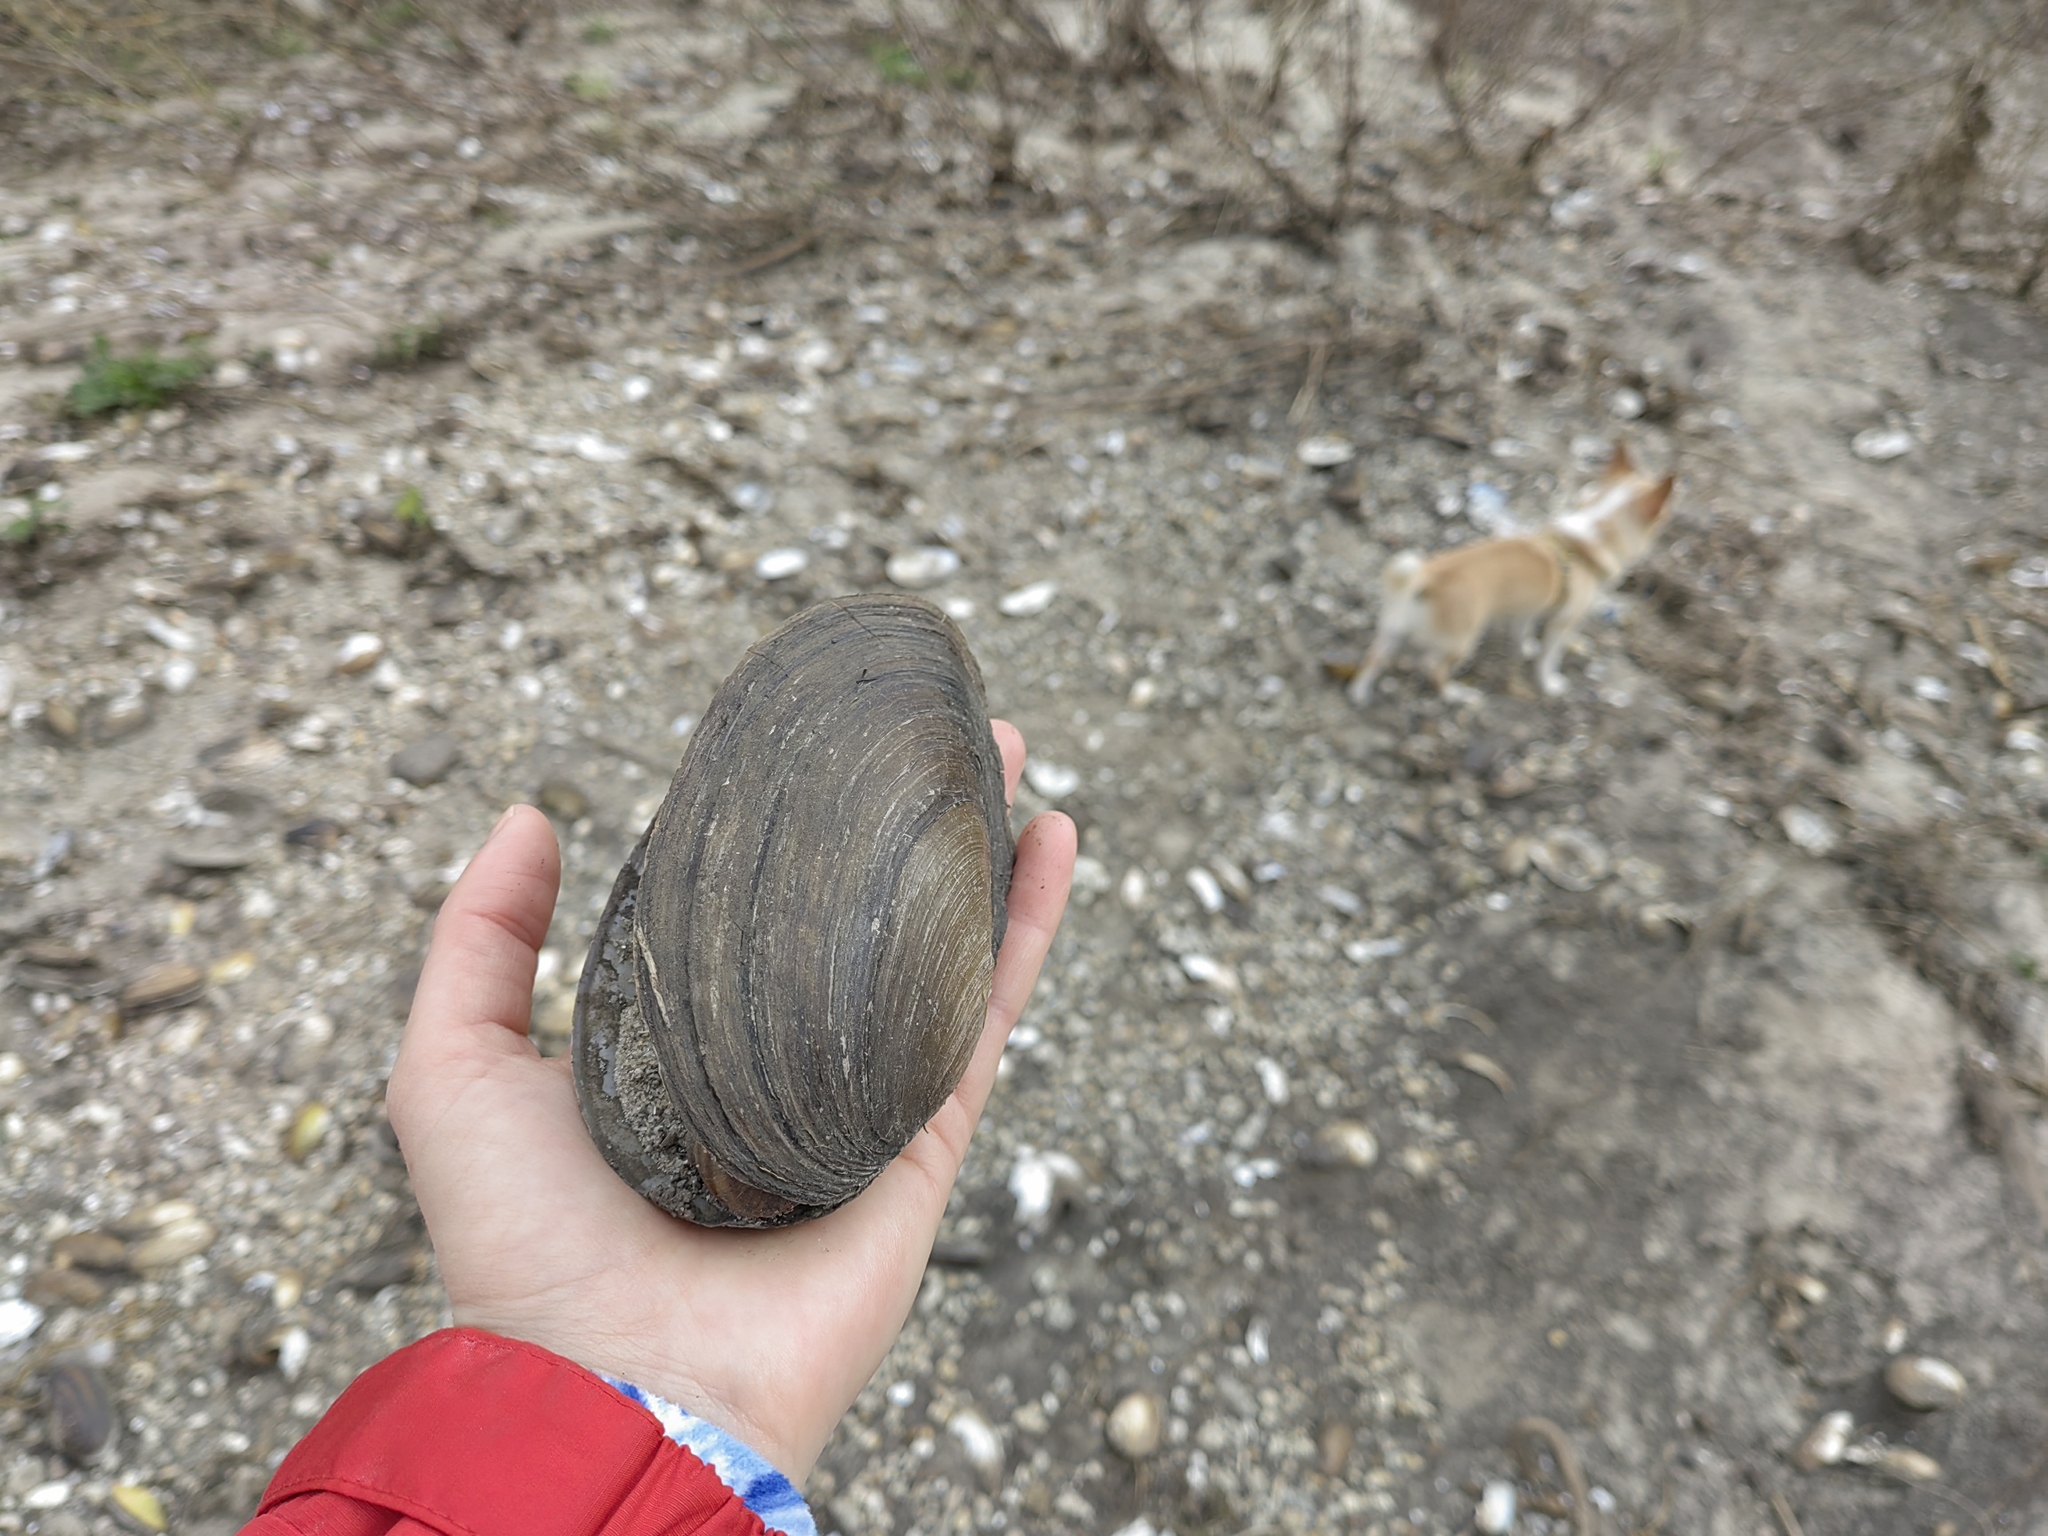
(469, 1434)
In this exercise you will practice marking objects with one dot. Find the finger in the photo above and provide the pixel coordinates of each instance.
(1038, 896)
(479, 966)
(1009, 742)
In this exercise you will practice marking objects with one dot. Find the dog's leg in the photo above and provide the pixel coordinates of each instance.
(1525, 638)
(1384, 644)
(1558, 629)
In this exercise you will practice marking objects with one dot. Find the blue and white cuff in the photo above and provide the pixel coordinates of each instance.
(739, 1466)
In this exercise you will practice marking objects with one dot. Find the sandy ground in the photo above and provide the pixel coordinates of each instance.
(1406, 1071)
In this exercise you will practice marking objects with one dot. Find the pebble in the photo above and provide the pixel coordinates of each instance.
(781, 564)
(1207, 891)
(317, 835)
(978, 1438)
(563, 800)
(925, 566)
(1334, 1441)
(173, 1244)
(64, 1288)
(18, 1321)
(1343, 1144)
(358, 653)
(122, 715)
(1325, 452)
(1272, 1080)
(1026, 601)
(1807, 830)
(309, 1128)
(1825, 1443)
(1341, 900)
(162, 987)
(1496, 1512)
(1137, 1426)
(1051, 780)
(1626, 404)
(1924, 1382)
(1878, 445)
(426, 761)
(1134, 889)
(1570, 859)
(79, 1406)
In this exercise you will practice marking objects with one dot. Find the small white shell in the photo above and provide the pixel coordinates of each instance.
(1496, 1513)
(1826, 1442)
(1570, 859)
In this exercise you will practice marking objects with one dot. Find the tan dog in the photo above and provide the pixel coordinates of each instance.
(1556, 574)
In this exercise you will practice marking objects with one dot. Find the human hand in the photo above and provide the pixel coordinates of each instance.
(769, 1335)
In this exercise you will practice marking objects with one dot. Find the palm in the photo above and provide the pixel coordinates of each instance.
(770, 1334)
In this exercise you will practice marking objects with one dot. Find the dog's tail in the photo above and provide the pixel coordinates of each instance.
(1403, 574)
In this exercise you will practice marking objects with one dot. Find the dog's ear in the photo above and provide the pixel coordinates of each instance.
(1619, 465)
(1658, 500)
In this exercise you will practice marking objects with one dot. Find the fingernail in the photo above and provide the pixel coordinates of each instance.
(493, 837)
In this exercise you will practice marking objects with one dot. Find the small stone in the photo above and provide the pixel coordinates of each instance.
(173, 1244)
(1043, 1183)
(138, 1508)
(316, 836)
(121, 716)
(1626, 404)
(1924, 1382)
(78, 1405)
(309, 1128)
(1208, 892)
(60, 719)
(563, 800)
(781, 564)
(1137, 1426)
(1807, 830)
(53, 1288)
(162, 987)
(1877, 445)
(426, 761)
(925, 566)
(1825, 1443)
(1134, 890)
(359, 653)
(1325, 452)
(1334, 1441)
(1343, 1144)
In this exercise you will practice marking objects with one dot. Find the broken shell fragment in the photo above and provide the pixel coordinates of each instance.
(795, 962)
(1569, 859)
(1925, 1383)
(1137, 1425)
(1905, 1462)
(1825, 1443)
(1496, 1512)
(161, 988)
(172, 1244)
(309, 1128)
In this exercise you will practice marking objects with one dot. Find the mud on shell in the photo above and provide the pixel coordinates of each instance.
(794, 965)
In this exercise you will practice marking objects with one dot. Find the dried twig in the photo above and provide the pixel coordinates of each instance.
(1585, 1520)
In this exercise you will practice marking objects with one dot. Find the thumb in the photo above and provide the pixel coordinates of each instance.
(476, 988)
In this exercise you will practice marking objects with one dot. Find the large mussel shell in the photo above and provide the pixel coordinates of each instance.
(795, 962)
